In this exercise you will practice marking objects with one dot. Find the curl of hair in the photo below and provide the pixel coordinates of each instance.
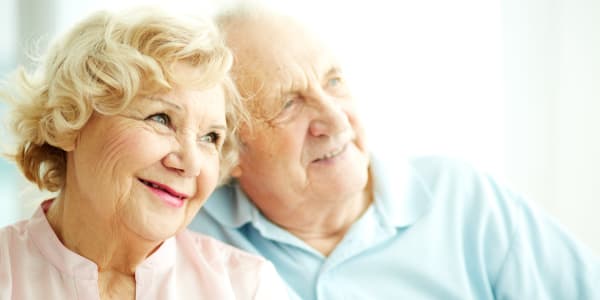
(101, 65)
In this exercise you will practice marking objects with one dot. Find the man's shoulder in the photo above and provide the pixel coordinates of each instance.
(440, 172)
(228, 206)
(223, 193)
(455, 182)
(435, 166)
(428, 166)
(223, 214)
(221, 205)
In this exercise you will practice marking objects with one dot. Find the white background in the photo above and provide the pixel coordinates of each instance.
(512, 86)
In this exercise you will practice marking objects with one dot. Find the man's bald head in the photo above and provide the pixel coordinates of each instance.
(268, 48)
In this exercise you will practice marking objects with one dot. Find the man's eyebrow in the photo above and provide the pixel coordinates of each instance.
(333, 70)
(158, 99)
(296, 88)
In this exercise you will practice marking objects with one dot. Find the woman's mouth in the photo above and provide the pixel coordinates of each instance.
(165, 193)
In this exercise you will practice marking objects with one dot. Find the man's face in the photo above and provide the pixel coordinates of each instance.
(306, 147)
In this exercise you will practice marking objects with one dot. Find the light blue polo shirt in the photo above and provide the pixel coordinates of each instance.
(437, 230)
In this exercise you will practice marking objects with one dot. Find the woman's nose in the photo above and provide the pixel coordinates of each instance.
(186, 159)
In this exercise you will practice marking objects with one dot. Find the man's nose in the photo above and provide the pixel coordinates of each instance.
(187, 158)
(331, 118)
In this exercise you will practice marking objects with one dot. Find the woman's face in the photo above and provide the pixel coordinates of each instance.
(150, 168)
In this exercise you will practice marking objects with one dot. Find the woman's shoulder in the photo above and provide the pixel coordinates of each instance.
(12, 236)
(15, 255)
(218, 252)
(245, 274)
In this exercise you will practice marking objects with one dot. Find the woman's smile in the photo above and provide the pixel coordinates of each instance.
(165, 193)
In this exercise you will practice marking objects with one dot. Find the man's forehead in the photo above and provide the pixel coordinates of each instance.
(285, 59)
(276, 55)
(286, 74)
(272, 38)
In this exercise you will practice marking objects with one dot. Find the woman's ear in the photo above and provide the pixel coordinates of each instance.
(69, 146)
(236, 172)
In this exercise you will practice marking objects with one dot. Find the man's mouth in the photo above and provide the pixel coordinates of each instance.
(332, 154)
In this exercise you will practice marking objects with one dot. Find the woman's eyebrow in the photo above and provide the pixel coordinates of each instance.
(158, 99)
(218, 127)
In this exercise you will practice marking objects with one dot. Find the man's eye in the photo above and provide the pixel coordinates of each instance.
(160, 118)
(334, 82)
(289, 103)
(290, 108)
(212, 138)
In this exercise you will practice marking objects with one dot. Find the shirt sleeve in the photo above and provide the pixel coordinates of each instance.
(545, 262)
(5, 276)
(270, 285)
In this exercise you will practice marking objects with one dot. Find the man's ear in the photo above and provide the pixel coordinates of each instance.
(236, 172)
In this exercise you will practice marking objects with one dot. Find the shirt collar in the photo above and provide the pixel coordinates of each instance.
(401, 197)
(57, 254)
(230, 206)
(78, 266)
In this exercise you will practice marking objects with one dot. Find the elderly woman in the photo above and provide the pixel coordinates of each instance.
(127, 121)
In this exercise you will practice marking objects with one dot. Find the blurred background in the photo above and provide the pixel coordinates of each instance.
(512, 86)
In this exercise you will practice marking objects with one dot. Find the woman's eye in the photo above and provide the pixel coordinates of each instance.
(212, 138)
(160, 118)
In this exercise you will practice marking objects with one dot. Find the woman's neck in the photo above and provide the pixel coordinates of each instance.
(114, 285)
(106, 242)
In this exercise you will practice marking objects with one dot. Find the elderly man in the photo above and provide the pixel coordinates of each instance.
(341, 223)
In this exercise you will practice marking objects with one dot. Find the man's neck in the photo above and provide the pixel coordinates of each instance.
(324, 227)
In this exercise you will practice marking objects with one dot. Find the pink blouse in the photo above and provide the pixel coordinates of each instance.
(34, 264)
